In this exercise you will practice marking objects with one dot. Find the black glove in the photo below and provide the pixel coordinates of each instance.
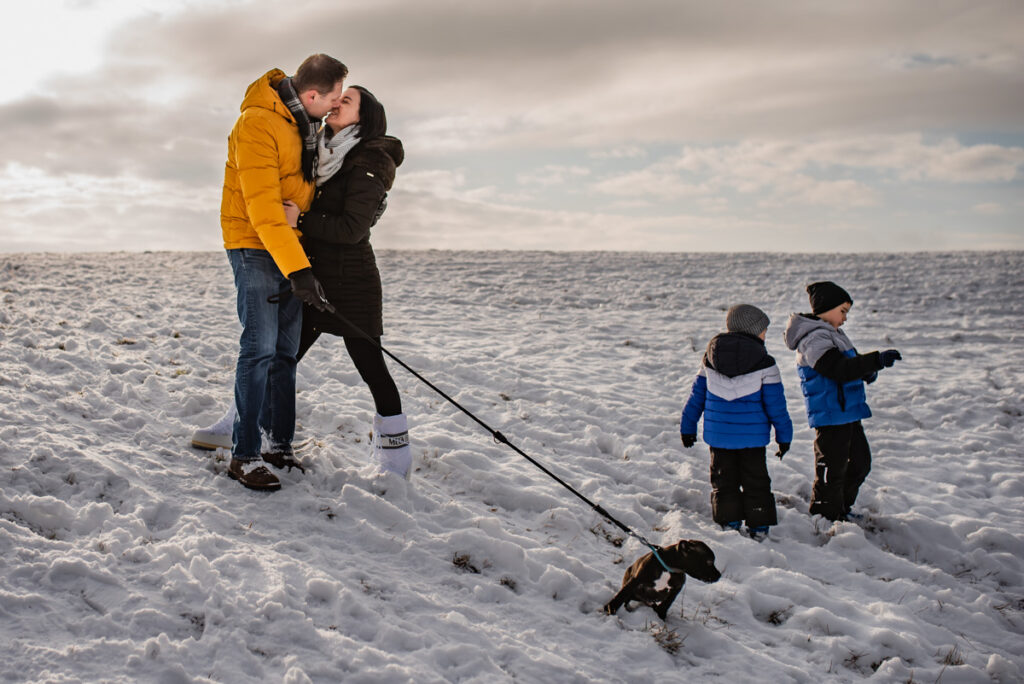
(783, 448)
(889, 357)
(308, 288)
(871, 377)
(689, 440)
(380, 210)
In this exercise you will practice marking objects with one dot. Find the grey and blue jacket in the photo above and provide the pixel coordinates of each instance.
(832, 373)
(739, 391)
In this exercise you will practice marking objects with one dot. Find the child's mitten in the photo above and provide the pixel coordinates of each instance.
(889, 357)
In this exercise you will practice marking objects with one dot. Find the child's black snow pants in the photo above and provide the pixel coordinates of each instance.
(842, 461)
(741, 488)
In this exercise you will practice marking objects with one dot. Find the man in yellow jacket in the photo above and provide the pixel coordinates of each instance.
(272, 158)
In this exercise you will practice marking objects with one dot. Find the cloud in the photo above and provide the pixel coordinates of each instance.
(80, 212)
(506, 108)
(552, 174)
(423, 222)
(502, 75)
(989, 209)
(620, 152)
(826, 173)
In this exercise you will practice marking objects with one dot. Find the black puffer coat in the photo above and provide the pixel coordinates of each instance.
(336, 236)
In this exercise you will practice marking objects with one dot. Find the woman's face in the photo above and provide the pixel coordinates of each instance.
(346, 113)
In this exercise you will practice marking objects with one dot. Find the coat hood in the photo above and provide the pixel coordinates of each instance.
(734, 354)
(391, 146)
(800, 326)
(262, 94)
(380, 156)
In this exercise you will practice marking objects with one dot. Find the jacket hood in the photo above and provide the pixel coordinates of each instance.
(390, 146)
(262, 94)
(734, 354)
(379, 155)
(800, 325)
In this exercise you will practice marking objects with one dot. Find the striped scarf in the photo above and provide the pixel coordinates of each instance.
(307, 127)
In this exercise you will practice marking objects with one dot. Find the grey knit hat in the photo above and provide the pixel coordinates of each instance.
(746, 318)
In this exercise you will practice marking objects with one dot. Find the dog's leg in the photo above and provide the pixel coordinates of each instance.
(674, 588)
(624, 595)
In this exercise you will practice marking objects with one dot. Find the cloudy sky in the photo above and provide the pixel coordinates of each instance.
(680, 125)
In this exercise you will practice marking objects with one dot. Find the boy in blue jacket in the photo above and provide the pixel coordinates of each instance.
(739, 391)
(832, 378)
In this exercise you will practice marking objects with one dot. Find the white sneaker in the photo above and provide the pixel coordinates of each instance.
(391, 444)
(218, 435)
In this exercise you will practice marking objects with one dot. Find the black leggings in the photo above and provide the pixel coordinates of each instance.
(369, 361)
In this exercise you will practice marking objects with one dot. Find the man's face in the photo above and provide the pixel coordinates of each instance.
(318, 105)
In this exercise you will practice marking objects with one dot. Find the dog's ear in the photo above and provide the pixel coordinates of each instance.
(697, 545)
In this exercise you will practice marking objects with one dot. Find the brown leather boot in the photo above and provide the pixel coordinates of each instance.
(283, 458)
(253, 476)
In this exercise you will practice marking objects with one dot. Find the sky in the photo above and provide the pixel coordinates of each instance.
(653, 125)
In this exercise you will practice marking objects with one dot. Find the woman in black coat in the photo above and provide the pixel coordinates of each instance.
(356, 168)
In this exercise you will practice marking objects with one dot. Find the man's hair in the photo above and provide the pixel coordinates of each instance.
(319, 72)
(372, 121)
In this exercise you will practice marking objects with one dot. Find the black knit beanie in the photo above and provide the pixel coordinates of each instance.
(826, 296)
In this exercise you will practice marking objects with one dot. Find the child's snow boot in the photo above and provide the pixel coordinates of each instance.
(218, 435)
(759, 533)
(734, 525)
(391, 444)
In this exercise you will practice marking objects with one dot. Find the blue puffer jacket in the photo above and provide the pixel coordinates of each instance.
(739, 391)
(828, 402)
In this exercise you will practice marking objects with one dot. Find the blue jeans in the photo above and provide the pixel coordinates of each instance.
(265, 373)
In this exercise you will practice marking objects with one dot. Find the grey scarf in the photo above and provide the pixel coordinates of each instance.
(331, 151)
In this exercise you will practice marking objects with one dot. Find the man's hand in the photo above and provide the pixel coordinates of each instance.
(783, 448)
(308, 288)
(689, 440)
(291, 213)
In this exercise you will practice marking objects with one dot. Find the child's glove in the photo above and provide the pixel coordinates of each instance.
(689, 440)
(783, 448)
(889, 357)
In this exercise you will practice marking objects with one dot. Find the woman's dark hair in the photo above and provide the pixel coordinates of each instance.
(373, 123)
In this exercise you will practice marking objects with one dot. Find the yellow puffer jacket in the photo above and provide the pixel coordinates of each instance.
(264, 167)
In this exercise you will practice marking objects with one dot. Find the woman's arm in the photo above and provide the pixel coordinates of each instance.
(364, 194)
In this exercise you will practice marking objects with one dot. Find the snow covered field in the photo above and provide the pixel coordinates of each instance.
(126, 555)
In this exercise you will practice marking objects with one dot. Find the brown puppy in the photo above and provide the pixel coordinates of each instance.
(685, 557)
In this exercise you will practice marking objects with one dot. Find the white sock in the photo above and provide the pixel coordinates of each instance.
(391, 444)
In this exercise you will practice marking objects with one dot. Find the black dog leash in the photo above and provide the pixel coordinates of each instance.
(495, 434)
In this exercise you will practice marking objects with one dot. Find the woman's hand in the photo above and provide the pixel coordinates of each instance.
(291, 213)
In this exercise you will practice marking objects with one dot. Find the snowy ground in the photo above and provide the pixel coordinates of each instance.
(126, 555)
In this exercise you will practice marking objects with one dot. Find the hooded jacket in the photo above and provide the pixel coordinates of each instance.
(264, 167)
(336, 235)
(739, 391)
(832, 373)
